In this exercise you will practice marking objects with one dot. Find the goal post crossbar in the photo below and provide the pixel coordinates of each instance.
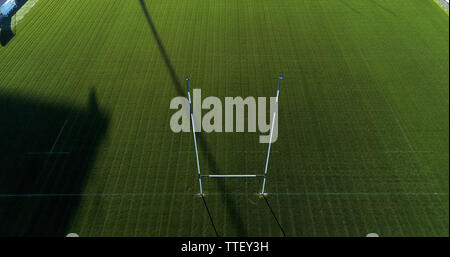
(200, 176)
(233, 176)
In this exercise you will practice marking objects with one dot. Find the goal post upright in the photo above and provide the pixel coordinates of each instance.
(271, 134)
(195, 139)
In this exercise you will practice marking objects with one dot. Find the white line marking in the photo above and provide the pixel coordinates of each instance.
(59, 135)
(398, 123)
(47, 153)
(408, 151)
(23, 11)
(243, 194)
(255, 151)
(248, 151)
(54, 145)
(365, 193)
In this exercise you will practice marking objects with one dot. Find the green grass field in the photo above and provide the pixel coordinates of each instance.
(363, 141)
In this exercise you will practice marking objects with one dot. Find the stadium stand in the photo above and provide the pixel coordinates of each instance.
(7, 6)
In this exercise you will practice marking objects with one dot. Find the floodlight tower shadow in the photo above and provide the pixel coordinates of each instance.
(228, 201)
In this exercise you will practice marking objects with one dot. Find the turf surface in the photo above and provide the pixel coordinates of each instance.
(363, 121)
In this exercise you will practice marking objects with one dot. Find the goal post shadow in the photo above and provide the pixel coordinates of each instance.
(264, 175)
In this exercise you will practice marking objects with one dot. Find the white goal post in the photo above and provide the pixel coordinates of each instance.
(264, 175)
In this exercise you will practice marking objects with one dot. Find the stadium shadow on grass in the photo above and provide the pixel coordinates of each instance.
(203, 144)
(6, 24)
(48, 151)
